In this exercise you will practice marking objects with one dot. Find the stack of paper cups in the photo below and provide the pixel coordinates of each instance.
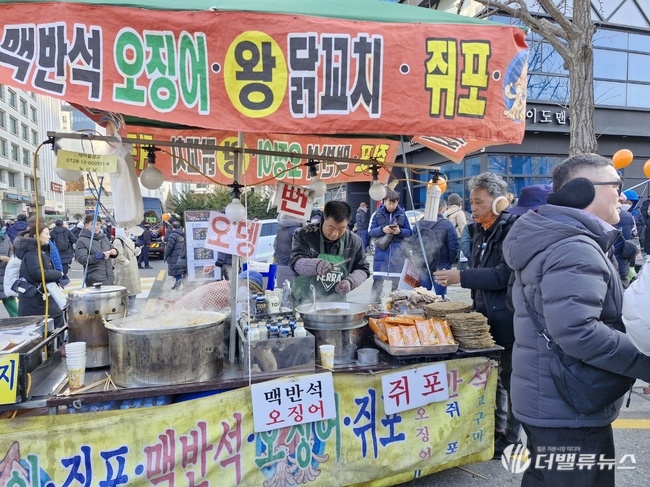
(75, 358)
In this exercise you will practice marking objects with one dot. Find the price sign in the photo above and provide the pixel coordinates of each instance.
(410, 389)
(9, 377)
(81, 161)
(287, 402)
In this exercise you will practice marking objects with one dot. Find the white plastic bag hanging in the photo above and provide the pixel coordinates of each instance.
(127, 198)
(636, 310)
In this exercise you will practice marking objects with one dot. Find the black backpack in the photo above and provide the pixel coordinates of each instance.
(62, 242)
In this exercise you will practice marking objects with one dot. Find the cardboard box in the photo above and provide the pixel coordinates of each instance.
(277, 356)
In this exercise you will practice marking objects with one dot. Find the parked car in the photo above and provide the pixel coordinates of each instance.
(264, 251)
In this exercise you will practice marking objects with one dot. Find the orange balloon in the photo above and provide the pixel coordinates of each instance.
(441, 183)
(622, 158)
(646, 169)
(166, 217)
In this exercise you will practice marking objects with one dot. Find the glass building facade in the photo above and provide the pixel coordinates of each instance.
(622, 98)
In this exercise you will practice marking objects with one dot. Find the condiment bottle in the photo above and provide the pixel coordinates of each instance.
(285, 330)
(253, 332)
(299, 330)
(274, 329)
(272, 302)
(260, 305)
(264, 331)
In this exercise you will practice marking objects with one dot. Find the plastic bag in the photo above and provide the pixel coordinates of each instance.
(127, 198)
(636, 310)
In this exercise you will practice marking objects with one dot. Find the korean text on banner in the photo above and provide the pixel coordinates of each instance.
(216, 444)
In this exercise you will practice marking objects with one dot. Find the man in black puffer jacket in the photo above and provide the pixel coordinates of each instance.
(64, 241)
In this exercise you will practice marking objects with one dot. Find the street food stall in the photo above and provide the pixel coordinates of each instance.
(214, 71)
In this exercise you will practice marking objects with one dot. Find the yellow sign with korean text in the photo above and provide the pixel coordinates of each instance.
(211, 442)
(9, 377)
(81, 161)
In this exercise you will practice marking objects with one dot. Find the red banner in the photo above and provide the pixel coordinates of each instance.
(252, 72)
(219, 165)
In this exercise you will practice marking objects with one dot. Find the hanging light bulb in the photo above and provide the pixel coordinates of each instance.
(151, 177)
(235, 211)
(318, 186)
(377, 190)
(69, 175)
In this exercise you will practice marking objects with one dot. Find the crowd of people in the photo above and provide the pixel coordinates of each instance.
(561, 255)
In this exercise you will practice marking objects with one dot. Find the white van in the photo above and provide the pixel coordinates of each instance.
(264, 252)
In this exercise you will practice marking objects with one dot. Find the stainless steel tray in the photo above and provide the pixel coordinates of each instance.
(419, 350)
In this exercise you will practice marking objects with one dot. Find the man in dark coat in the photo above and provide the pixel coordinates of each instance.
(98, 257)
(64, 241)
(175, 254)
(18, 227)
(488, 277)
(362, 222)
(144, 241)
(563, 272)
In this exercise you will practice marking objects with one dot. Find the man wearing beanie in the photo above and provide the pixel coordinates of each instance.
(455, 213)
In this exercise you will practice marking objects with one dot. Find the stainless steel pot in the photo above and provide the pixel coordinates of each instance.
(89, 307)
(165, 349)
(333, 315)
(346, 340)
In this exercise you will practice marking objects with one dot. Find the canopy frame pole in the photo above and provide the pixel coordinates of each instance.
(234, 277)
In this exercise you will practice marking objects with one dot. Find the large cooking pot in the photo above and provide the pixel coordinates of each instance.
(89, 308)
(164, 349)
(332, 315)
(337, 323)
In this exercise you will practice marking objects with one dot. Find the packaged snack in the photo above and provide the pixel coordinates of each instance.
(443, 332)
(377, 330)
(395, 338)
(426, 333)
(400, 320)
(410, 334)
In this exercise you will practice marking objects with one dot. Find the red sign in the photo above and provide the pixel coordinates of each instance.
(247, 71)
(56, 187)
(232, 238)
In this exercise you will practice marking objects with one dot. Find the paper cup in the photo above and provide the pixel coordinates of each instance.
(327, 356)
(76, 377)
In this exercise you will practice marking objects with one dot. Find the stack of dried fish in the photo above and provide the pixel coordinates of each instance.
(443, 308)
(470, 330)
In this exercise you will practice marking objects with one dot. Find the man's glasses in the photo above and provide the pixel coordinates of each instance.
(615, 184)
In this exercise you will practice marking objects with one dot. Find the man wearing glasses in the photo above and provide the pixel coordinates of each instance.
(567, 284)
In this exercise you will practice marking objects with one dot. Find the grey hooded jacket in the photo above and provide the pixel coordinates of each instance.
(577, 290)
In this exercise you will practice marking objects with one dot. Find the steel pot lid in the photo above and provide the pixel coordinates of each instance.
(98, 291)
(176, 321)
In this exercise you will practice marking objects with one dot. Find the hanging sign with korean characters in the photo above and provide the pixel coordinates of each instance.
(294, 400)
(81, 161)
(239, 238)
(8, 378)
(294, 201)
(413, 388)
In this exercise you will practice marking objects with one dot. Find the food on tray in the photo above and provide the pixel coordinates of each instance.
(410, 335)
(395, 338)
(443, 308)
(426, 333)
(414, 299)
